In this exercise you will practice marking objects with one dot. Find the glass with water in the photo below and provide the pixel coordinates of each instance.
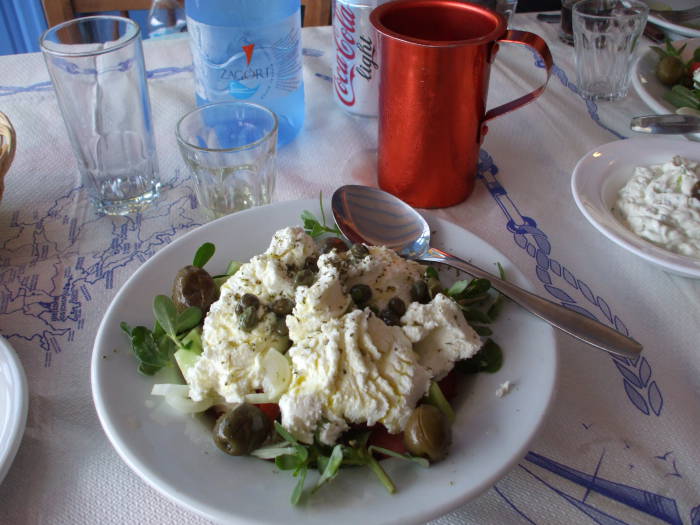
(97, 69)
(230, 149)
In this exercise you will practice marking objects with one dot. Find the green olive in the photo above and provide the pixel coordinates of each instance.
(241, 430)
(420, 292)
(669, 70)
(282, 306)
(361, 294)
(334, 243)
(359, 250)
(194, 286)
(428, 433)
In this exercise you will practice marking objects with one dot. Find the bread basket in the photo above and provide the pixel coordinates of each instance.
(7, 148)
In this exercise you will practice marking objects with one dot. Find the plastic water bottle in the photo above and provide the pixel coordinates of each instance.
(249, 50)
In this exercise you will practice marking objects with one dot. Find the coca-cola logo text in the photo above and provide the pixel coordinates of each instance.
(344, 35)
(368, 50)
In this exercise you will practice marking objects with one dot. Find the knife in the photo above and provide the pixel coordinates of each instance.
(666, 124)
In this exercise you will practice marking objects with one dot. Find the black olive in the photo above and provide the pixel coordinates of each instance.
(304, 278)
(248, 319)
(361, 294)
(397, 305)
(359, 250)
(241, 430)
(428, 433)
(311, 264)
(390, 317)
(420, 292)
(282, 306)
(193, 286)
(334, 243)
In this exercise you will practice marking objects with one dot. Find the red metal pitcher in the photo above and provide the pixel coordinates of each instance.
(436, 58)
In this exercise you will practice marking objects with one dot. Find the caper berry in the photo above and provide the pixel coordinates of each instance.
(280, 327)
(361, 294)
(420, 292)
(359, 250)
(248, 319)
(193, 286)
(397, 305)
(282, 306)
(334, 243)
(304, 278)
(311, 264)
(241, 430)
(428, 433)
(390, 317)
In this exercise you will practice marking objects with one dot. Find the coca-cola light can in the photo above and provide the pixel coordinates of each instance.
(356, 65)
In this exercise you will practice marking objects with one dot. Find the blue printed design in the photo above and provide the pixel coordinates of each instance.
(641, 391)
(655, 505)
(311, 52)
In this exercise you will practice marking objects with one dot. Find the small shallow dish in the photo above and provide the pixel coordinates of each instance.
(600, 174)
(13, 405)
(175, 453)
(644, 78)
(690, 28)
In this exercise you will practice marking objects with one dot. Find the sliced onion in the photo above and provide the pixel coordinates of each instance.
(178, 397)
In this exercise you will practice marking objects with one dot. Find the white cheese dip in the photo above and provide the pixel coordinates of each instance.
(660, 203)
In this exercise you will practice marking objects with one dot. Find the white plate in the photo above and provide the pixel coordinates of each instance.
(648, 86)
(600, 174)
(175, 454)
(13, 405)
(690, 28)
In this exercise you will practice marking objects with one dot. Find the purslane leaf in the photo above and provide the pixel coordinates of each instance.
(203, 254)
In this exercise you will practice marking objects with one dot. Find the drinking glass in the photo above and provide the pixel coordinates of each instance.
(566, 31)
(97, 69)
(606, 34)
(230, 148)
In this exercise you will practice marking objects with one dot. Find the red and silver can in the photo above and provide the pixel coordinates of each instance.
(356, 65)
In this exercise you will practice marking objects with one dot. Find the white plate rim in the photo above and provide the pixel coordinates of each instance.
(592, 171)
(674, 28)
(214, 513)
(11, 436)
(639, 79)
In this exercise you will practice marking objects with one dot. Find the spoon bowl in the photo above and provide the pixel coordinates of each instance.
(375, 217)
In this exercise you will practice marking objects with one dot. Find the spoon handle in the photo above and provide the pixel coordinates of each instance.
(584, 328)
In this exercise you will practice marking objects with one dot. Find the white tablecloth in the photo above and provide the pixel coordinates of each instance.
(621, 442)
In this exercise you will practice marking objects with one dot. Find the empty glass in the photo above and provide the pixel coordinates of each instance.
(606, 34)
(97, 69)
(230, 148)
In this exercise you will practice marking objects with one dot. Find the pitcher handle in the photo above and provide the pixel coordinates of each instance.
(540, 47)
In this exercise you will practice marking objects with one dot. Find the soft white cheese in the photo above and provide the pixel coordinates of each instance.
(658, 204)
(347, 365)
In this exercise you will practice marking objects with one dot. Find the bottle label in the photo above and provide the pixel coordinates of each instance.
(253, 63)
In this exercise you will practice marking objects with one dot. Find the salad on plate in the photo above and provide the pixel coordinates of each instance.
(681, 74)
(319, 355)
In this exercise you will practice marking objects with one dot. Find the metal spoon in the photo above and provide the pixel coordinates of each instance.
(374, 217)
(671, 123)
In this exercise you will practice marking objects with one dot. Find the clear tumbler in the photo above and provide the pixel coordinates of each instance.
(97, 69)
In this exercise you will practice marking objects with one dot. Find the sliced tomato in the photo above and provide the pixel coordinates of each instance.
(271, 410)
(692, 67)
(380, 437)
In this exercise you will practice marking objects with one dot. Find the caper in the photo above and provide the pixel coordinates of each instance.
(248, 319)
(428, 433)
(669, 70)
(280, 327)
(282, 306)
(334, 243)
(390, 317)
(361, 294)
(304, 278)
(434, 286)
(420, 292)
(193, 286)
(397, 305)
(249, 299)
(359, 250)
(311, 264)
(241, 430)
(695, 191)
